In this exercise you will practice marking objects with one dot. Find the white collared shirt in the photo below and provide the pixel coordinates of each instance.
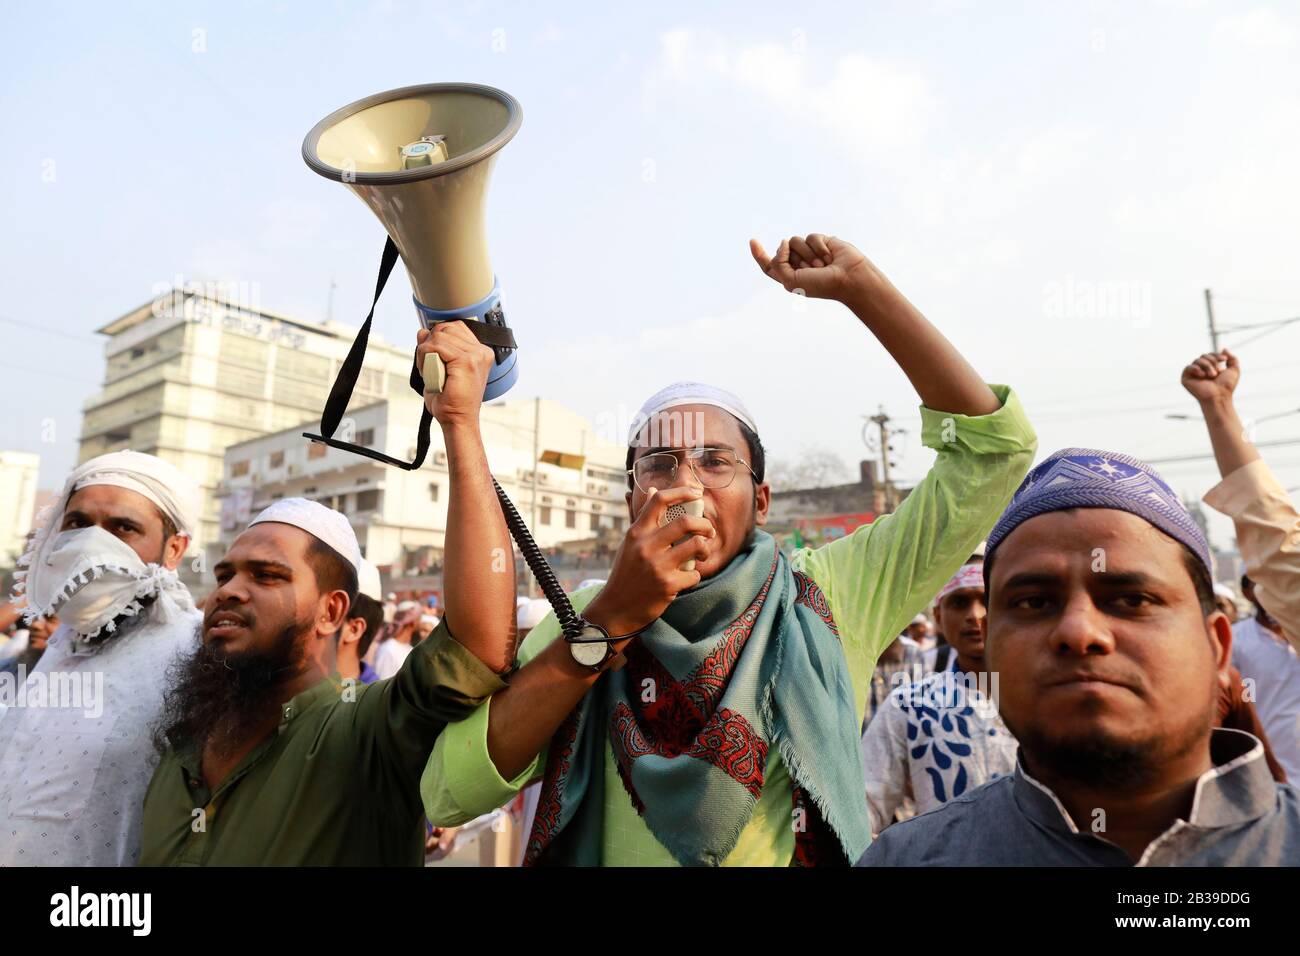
(1274, 668)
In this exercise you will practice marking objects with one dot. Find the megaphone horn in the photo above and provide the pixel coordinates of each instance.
(420, 157)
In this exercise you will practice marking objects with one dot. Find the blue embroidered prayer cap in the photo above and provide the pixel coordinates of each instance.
(1088, 478)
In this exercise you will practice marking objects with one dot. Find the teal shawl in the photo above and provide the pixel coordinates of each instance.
(745, 661)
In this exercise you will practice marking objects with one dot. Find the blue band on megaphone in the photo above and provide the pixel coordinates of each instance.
(478, 310)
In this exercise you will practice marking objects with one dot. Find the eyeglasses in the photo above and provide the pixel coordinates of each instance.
(712, 467)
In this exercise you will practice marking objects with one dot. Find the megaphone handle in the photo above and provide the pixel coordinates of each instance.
(434, 374)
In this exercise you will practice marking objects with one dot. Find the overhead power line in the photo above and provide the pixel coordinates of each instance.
(1202, 457)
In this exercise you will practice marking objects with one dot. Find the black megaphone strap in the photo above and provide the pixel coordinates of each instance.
(341, 393)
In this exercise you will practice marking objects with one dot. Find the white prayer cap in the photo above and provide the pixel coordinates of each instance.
(920, 619)
(406, 606)
(325, 524)
(368, 581)
(690, 393)
(531, 614)
(1223, 591)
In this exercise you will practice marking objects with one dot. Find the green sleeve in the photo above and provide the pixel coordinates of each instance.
(877, 578)
(397, 721)
(460, 782)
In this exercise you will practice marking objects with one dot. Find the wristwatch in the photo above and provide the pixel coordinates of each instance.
(593, 648)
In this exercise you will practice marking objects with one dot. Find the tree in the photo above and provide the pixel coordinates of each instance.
(815, 467)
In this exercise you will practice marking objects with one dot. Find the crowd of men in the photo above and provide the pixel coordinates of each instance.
(1087, 695)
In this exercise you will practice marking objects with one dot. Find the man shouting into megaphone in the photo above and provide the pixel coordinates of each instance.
(730, 736)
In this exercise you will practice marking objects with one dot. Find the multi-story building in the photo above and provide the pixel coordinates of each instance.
(191, 373)
(18, 474)
(567, 482)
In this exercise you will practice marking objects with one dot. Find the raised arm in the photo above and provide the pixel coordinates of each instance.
(453, 671)
(478, 568)
(1211, 380)
(1265, 518)
(824, 267)
(878, 577)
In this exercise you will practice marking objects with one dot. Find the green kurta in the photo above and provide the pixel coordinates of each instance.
(338, 782)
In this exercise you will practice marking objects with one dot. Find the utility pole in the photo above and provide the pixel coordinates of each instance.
(881, 421)
(1214, 331)
(329, 304)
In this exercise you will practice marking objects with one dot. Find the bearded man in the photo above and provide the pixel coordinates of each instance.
(270, 757)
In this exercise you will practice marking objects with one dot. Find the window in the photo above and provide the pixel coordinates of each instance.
(570, 518)
(595, 522)
(277, 459)
(544, 514)
(316, 450)
(368, 500)
(239, 469)
(434, 489)
(366, 437)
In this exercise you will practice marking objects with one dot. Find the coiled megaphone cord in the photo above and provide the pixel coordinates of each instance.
(550, 585)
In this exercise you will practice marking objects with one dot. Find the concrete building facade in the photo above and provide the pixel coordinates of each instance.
(18, 475)
(565, 480)
(190, 373)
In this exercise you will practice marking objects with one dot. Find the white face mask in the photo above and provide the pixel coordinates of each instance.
(89, 579)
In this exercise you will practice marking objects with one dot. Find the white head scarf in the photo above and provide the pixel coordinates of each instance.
(690, 393)
(530, 614)
(368, 581)
(60, 564)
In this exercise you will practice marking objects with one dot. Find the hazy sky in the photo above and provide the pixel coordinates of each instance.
(1053, 185)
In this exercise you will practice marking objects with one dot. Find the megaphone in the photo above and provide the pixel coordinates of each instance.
(420, 157)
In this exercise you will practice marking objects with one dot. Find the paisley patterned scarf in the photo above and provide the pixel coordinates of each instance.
(748, 660)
